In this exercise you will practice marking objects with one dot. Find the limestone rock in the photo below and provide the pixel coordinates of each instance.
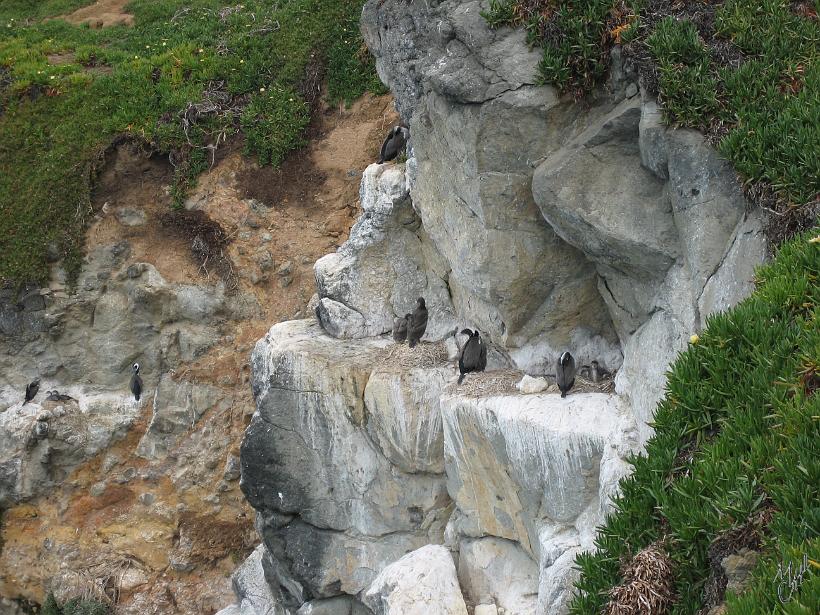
(30, 464)
(380, 271)
(643, 376)
(618, 214)
(538, 456)
(177, 407)
(706, 200)
(734, 279)
(478, 124)
(419, 583)
(501, 570)
(341, 605)
(530, 385)
(253, 594)
(340, 320)
(355, 507)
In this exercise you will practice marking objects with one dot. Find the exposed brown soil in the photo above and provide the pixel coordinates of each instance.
(271, 226)
(101, 14)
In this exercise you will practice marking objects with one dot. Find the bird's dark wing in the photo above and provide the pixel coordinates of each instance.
(400, 330)
(383, 151)
(471, 354)
(482, 357)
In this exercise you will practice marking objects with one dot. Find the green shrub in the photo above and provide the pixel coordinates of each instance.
(736, 434)
(752, 77)
(56, 119)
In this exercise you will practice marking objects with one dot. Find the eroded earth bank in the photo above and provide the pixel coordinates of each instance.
(138, 502)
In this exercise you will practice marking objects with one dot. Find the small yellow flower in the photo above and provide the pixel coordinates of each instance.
(261, 89)
(201, 51)
(815, 239)
(52, 77)
(136, 57)
(164, 43)
(694, 339)
(241, 61)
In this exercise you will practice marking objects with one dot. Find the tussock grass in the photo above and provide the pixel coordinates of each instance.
(188, 75)
(735, 437)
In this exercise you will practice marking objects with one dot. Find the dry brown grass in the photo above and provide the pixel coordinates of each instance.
(648, 585)
(487, 384)
(424, 355)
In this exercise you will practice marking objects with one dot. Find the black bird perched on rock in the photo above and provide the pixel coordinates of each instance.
(394, 143)
(31, 390)
(473, 356)
(400, 328)
(565, 373)
(136, 382)
(417, 324)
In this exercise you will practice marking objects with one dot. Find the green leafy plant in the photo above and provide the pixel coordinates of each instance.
(186, 76)
(735, 440)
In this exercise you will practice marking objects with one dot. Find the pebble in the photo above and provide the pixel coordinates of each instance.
(146, 498)
(285, 269)
(266, 237)
(97, 489)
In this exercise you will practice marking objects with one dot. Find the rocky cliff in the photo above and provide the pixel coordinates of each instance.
(137, 503)
(548, 225)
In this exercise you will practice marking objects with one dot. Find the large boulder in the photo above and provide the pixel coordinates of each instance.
(419, 583)
(498, 571)
(359, 463)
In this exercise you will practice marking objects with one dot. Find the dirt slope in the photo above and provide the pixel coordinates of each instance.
(163, 536)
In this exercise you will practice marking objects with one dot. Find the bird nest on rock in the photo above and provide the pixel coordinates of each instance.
(648, 585)
(582, 385)
(487, 384)
(424, 355)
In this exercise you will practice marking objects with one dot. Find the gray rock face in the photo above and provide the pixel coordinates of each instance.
(178, 406)
(322, 445)
(478, 124)
(384, 266)
(253, 593)
(663, 219)
(41, 445)
(421, 582)
(619, 215)
(84, 344)
(499, 571)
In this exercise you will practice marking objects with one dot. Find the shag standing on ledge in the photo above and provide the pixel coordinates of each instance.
(418, 323)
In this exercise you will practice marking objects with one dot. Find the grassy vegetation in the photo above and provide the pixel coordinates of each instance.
(188, 74)
(75, 606)
(736, 434)
(745, 70)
